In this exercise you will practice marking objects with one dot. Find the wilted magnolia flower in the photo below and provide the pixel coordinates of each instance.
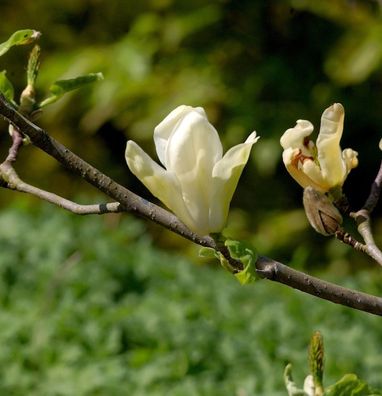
(323, 165)
(196, 183)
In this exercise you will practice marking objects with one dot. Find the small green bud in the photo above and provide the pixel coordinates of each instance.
(323, 216)
(316, 362)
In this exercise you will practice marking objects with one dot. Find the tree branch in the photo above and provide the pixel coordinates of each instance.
(363, 221)
(375, 192)
(267, 268)
(10, 179)
(278, 272)
(16, 184)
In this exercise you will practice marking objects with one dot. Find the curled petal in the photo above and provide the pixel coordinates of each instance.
(350, 159)
(296, 170)
(295, 137)
(328, 145)
(225, 176)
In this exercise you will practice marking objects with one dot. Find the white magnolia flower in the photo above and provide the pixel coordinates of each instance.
(197, 183)
(323, 165)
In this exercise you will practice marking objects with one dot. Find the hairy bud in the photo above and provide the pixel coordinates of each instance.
(316, 361)
(323, 216)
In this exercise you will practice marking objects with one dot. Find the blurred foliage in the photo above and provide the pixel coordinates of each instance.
(252, 64)
(90, 307)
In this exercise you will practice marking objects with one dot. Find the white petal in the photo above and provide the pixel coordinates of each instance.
(162, 184)
(192, 151)
(164, 130)
(226, 174)
(295, 137)
(314, 173)
(297, 171)
(350, 159)
(193, 137)
(328, 145)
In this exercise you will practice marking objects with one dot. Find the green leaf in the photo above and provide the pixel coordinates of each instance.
(206, 252)
(246, 254)
(21, 37)
(239, 251)
(6, 86)
(61, 87)
(351, 385)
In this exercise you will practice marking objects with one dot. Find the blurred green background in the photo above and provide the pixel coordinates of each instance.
(253, 65)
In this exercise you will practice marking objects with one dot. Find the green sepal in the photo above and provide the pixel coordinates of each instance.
(245, 254)
(6, 87)
(351, 385)
(61, 87)
(21, 37)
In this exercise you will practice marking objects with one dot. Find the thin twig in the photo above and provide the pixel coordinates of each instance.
(17, 142)
(375, 192)
(363, 221)
(267, 268)
(346, 238)
(9, 179)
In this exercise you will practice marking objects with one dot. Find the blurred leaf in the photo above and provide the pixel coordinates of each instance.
(20, 37)
(61, 87)
(6, 86)
(356, 55)
(351, 385)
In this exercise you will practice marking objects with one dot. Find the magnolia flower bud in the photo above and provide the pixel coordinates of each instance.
(196, 181)
(323, 216)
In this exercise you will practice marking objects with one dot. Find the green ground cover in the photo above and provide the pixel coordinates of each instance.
(89, 306)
